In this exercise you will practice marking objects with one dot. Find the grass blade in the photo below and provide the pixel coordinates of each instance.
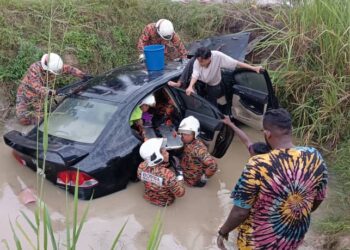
(156, 233)
(82, 221)
(118, 235)
(6, 244)
(25, 234)
(75, 211)
(29, 222)
(45, 228)
(37, 221)
(67, 220)
(18, 243)
(49, 227)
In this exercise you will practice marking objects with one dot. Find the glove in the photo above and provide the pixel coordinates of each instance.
(87, 77)
(48, 91)
(141, 58)
(175, 163)
(51, 92)
(202, 181)
(204, 178)
(200, 184)
(179, 177)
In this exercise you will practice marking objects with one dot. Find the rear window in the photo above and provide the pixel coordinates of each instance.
(80, 119)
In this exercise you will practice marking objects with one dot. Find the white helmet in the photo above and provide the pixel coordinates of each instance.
(188, 125)
(52, 62)
(150, 151)
(165, 29)
(149, 100)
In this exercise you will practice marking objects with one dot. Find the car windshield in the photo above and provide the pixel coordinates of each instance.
(80, 119)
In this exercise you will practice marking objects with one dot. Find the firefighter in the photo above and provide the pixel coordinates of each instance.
(35, 86)
(162, 186)
(162, 32)
(196, 162)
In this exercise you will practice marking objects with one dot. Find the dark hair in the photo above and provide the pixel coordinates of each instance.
(203, 52)
(278, 119)
(259, 148)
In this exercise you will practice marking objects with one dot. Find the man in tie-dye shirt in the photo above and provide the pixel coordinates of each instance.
(277, 191)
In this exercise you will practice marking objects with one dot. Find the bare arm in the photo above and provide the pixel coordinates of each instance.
(247, 66)
(236, 217)
(242, 136)
(190, 88)
(316, 204)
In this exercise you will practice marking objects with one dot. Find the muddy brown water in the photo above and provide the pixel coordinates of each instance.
(190, 223)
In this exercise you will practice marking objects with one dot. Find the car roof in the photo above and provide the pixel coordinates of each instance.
(119, 84)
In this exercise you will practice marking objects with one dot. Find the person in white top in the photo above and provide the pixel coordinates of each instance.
(207, 68)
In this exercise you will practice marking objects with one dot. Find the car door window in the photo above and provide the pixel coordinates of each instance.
(252, 81)
(212, 130)
(196, 104)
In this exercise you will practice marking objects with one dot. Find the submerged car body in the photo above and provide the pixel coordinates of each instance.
(89, 130)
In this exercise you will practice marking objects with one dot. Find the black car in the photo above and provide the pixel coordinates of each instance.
(89, 129)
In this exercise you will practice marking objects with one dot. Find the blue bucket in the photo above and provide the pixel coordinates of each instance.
(154, 55)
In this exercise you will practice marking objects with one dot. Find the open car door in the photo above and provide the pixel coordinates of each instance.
(252, 96)
(216, 135)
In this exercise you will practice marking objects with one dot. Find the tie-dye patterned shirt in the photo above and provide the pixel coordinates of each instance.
(279, 188)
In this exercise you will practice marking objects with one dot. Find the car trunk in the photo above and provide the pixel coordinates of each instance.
(31, 154)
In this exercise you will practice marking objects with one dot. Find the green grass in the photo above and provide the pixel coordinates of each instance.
(93, 35)
(156, 233)
(338, 217)
(309, 52)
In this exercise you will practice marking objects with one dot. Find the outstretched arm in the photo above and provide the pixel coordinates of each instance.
(70, 70)
(247, 66)
(236, 217)
(242, 136)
